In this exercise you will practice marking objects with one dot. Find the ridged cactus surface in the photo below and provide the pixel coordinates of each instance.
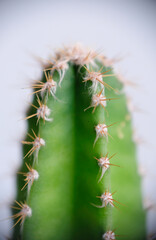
(79, 166)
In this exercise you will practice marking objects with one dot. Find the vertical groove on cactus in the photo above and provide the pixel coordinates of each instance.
(80, 143)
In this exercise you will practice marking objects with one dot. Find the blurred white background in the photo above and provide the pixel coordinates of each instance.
(119, 28)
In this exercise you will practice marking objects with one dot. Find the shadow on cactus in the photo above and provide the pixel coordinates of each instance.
(79, 176)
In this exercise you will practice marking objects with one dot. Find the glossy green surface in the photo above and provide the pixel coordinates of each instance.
(61, 199)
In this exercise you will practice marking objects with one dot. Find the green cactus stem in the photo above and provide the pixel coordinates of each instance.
(85, 185)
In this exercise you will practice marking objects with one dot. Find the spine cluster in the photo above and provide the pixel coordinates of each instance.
(88, 59)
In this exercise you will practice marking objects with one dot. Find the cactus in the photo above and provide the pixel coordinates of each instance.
(79, 175)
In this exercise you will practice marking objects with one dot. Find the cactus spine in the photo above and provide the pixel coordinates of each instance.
(79, 124)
